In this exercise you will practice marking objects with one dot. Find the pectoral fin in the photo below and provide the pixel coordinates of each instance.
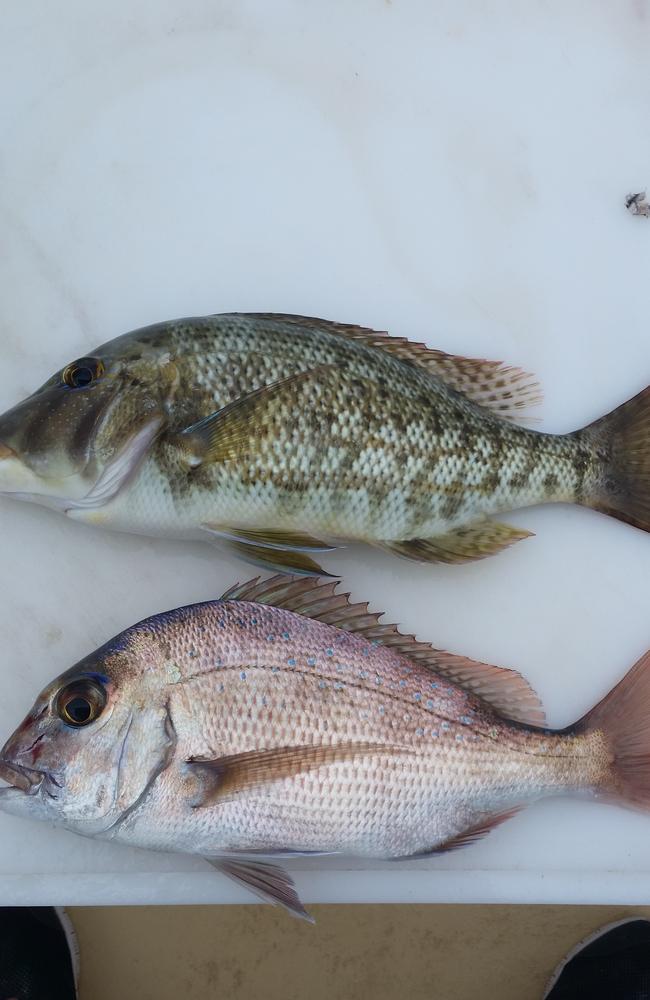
(270, 882)
(226, 777)
(461, 545)
(235, 430)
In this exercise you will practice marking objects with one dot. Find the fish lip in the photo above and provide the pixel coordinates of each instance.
(6, 452)
(27, 779)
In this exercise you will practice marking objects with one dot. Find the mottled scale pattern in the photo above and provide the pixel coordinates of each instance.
(238, 677)
(376, 444)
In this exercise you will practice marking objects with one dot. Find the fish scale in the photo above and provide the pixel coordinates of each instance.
(298, 696)
(284, 435)
(284, 719)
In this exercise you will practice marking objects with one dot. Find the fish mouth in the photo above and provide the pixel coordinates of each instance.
(32, 488)
(27, 779)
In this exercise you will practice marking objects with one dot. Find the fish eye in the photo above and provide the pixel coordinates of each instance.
(80, 702)
(82, 373)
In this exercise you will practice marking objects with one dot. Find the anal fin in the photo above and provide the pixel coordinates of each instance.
(476, 541)
(467, 837)
(270, 882)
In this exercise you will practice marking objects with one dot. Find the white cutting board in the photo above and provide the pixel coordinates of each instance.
(454, 172)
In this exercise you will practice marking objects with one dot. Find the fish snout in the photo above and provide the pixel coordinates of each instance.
(18, 758)
(20, 777)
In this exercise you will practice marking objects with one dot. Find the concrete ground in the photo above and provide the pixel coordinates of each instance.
(353, 952)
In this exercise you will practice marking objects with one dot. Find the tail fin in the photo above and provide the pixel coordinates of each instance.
(622, 443)
(622, 719)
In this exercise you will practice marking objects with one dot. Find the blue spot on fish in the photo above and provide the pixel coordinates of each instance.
(363, 674)
(417, 696)
(338, 685)
(221, 689)
(329, 652)
(311, 661)
(291, 662)
(193, 653)
(419, 731)
(322, 684)
(445, 726)
(377, 680)
(429, 703)
(264, 699)
(433, 685)
(466, 720)
(402, 684)
(274, 670)
(459, 737)
(242, 675)
(102, 678)
(253, 621)
(270, 638)
(381, 709)
(285, 635)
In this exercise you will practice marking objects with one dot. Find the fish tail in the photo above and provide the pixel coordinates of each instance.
(620, 443)
(620, 728)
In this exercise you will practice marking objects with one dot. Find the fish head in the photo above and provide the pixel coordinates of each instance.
(77, 440)
(93, 743)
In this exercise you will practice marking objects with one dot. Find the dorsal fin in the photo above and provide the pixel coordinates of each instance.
(505, 690)
(501, 388)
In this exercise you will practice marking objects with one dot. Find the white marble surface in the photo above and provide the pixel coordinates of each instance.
(454, 172)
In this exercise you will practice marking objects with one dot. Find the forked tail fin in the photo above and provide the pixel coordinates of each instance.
(621, 442)
(622, 755)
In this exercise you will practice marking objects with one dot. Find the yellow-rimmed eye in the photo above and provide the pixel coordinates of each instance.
(82, 373)
(80, 702)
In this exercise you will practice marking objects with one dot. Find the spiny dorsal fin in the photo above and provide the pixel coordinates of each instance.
(501, 388)
(506, 690)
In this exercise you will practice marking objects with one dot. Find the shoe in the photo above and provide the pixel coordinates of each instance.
(613, 963)
(39, 956)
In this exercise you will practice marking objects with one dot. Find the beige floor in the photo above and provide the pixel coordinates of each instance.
(378, 952)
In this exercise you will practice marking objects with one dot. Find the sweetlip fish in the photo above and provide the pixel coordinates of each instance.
(285, 436)
(283, 720)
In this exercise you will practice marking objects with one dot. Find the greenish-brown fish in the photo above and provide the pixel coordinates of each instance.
(285, 436)
(283, 720)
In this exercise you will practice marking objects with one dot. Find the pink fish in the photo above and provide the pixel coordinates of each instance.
(284, 720)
